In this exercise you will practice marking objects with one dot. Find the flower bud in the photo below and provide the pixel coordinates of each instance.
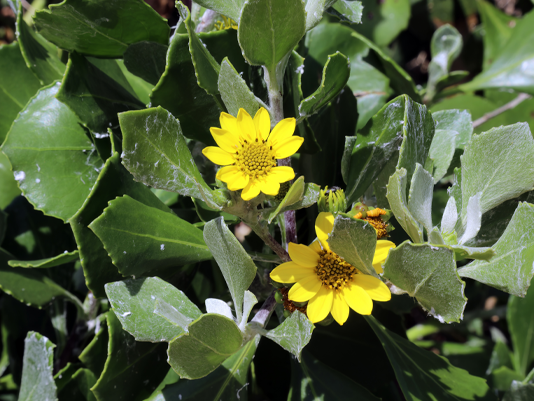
(332, 200)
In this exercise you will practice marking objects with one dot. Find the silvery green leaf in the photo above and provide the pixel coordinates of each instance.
(248, 303)
(434, 237)
(442, 152)
(315, 10)
(446, 45)
(511, 269)
(450, 217)
(293, 334)
(473, 219)
(172, 314)
(468, 252)
(293, 195)
(420, 199)
(455, 120)
(218, 306)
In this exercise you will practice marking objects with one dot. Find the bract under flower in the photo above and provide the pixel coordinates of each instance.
(249, 151)
(329, 283)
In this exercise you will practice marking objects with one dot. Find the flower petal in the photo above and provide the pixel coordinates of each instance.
(320, 305)
(251, 190)
(246, 125)
(282, 174)
(218, 156)
(290, 272)
(358, 299)
(237, 181)
(270, 187)
(376, 289)
(225, 173)
(340, 309)
(262, 122)
(305, 289)
(381, 253)
(287, 147)
(316, 246)
(229, 123)
(225, 139)
(324, 224)
(282, 131)
(303, 255)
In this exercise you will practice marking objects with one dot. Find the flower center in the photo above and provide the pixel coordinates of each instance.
(255, 159)
(333, 271)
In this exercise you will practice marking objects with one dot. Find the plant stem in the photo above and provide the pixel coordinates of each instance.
(266, 310)
(264, 234)
(500, 110)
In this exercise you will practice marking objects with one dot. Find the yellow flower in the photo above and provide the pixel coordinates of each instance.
(327, 282)
(249, 152)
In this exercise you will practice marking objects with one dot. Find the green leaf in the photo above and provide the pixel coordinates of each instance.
(134, 303)
(520, 330)
(224, 383)
(269, 29)
(492, 164)
(97, 28)
(47, 141)
(229, 8)
(94, 354)
(37, 381)
(335, 75)
(41, 56)
(428, 273)
(378, 142)
(420, 199)
(355, 241)
(17, 85)
(309, 198)
(58, 260)
(314, 11)
(502, 378)
(133, 370)
(146, 60)
(236, 265)
(396, 195)
(498, 27)
(293, 334)
(156, 153)
(442, 152)
(209, 341)
(313, 380)
(383, 21)
(113, 181)
(422, 373)
(79, 386)
(466, 252)
(294, 195)
(519, 392)
(347, 10)
(96, 90)
(235, 92)
(140, 238)
(10, 189)
(511, 65)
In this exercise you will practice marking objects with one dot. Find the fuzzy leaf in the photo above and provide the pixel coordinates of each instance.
(235, 92)
(420, 199)
(292, 196)
(315, 10)
(230, 8)
(146, 60)
(520, 331)
(293, 334)
(455, 120)
(442, 152)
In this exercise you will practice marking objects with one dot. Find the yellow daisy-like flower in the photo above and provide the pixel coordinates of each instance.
(249, 151)
(327, 282)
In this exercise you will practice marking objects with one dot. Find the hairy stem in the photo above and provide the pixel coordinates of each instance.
(266, 310)
(500, 110)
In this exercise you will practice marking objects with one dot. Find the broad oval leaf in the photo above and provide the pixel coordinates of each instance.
(293, 334)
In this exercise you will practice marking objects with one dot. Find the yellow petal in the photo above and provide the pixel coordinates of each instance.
(320, 305)
(218, 156)
(251, 190)
(381, 253)
(376, 289)
(246, 125)
(262, 122)
(324, 224)
(316, 246)
(303, 255)
(282, 174)
(340, 309)
(237, 181)
(290, 272)
(305, 289)
(287, 147)
(282, 131)
(270, 187)
(229, 123)
(358, 299)
(225, 173)
(378, 267)
(225, 139)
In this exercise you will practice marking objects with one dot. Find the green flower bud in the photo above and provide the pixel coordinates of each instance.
(332, 201)
(287, 313)
(278, 297)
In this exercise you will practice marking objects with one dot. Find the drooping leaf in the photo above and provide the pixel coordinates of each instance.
(58, 260)
(293, 334)
(113, 181)
(46, 140)
(37, 381)
(133, 370)
(156, 153)
(284, 20)
(355, 241)
(335, 75)
(421, 372)
(235, 92)
(429, 274)
(17, 85)
(236, 265)
(141, 238)
(98, 29)
(134, 302)
(146, 60)
(210, 340)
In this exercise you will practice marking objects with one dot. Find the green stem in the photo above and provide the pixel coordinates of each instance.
(529, 377)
